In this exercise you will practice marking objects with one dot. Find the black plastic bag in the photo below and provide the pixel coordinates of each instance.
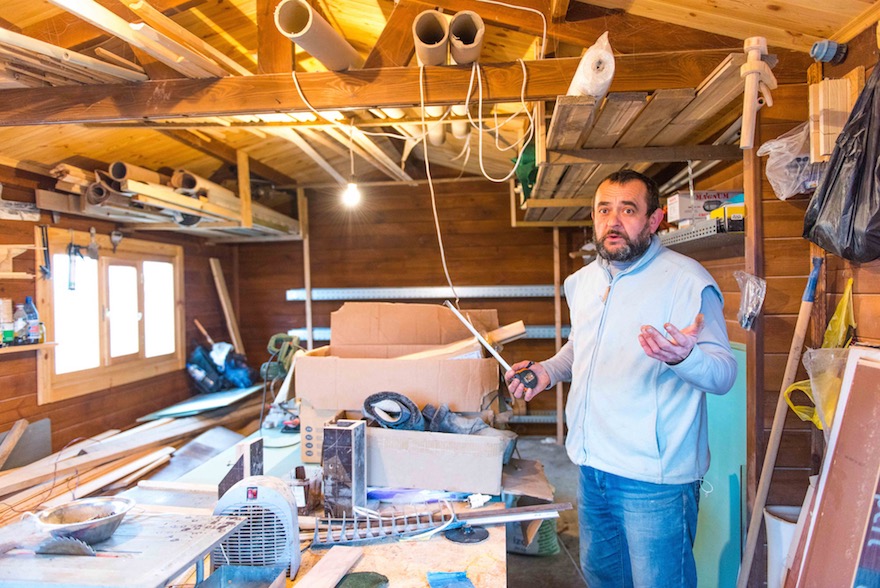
(843, 216)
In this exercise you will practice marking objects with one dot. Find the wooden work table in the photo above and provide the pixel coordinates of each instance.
(146, 551)
(406, 564)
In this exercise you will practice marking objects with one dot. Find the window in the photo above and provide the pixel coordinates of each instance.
(114, 320)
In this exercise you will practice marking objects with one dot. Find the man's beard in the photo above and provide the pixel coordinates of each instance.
(630, 251)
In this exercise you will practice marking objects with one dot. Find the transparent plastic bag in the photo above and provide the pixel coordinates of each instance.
(788, 163)
(753, 290)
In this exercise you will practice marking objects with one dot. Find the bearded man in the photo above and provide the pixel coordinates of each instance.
(636, 410)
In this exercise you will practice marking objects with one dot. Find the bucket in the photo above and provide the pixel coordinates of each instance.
(781, 522)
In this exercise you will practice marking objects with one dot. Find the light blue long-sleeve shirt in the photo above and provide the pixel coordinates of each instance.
(629, 414)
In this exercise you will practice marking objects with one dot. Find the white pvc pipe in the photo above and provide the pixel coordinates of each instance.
(460, 128)
(30, 44)
(298, 22)
(431, 37)
(466, 31)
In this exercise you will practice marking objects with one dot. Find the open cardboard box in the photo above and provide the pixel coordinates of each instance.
(367, 340)
(414, 459)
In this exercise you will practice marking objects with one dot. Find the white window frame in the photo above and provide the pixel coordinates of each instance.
(52, 387)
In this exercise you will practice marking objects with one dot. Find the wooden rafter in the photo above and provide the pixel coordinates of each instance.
(395, 47)
(387, 87)
(274, 50)
(228, 154)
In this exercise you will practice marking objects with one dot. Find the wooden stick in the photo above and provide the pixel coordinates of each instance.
(115, 474)
(226, 303)
(203, 332)
(11, 439)
(330, 569)
(791, 366)
(137, 475)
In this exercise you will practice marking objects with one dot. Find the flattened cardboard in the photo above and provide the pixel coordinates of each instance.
(526, 477)
(434, 461)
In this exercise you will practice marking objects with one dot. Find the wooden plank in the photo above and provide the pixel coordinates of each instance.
(11, 439)
(388, 87)
(226, 303)
(573, 117)
(863, 21)
(722, 86)
(330, 569)
(227, 154)
(834, 108)
(644, 154)
(663, 106)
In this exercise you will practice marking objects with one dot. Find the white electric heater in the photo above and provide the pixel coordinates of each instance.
(270, 537)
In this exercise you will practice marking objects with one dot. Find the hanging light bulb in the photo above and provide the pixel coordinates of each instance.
(351, 196)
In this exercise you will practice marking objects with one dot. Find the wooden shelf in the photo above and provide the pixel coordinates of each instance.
(21, 348)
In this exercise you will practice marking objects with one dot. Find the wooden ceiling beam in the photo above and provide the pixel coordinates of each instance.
(229, 155)
(395, 47)
(644, 154)
(387, 87)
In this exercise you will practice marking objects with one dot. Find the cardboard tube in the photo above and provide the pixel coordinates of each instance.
(119, 170)
(431, 37)
(298, 22)
(189, 183)
(466, 32)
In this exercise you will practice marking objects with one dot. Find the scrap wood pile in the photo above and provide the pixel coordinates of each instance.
(110, 461)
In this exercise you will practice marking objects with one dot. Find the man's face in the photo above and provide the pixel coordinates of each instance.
(622, 228)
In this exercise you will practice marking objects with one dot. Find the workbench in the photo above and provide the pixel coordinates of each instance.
(406, 564)
(146, 551)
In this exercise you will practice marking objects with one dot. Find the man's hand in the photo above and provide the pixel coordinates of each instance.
(517, 390)
(671, 350)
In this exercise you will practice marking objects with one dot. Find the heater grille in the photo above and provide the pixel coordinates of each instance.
(262, 541)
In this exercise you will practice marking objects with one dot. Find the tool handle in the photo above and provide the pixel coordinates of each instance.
(203, 332)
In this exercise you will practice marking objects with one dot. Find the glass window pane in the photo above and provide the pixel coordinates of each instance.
(76, 319)
(158, 308)
(122, 310)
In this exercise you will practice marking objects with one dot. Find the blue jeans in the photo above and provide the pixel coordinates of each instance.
(636, 534)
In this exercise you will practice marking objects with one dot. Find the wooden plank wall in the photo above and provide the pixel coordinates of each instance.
(115, 407)
(390, 241)
(786, 267)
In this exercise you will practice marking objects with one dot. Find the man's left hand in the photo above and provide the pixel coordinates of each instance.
(674, 349)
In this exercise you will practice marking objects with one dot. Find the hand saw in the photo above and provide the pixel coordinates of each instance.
(528, 378)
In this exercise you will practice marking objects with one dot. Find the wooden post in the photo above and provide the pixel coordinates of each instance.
(244, 188)
(557, 313)
(11, 439)
(302, 204)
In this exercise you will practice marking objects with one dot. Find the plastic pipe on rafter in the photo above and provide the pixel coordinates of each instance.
(466, 31)
(298, 21)
(431, 40)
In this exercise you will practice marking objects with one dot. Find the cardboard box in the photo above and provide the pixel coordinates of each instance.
(434, 461)
(682, 206)
(366, 339)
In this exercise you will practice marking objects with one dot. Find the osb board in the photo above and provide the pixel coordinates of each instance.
(406, 564)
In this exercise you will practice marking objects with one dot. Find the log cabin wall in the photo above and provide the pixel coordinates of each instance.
(390, 241)
(116, 407)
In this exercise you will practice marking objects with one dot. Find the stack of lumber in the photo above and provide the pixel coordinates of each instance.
(147, 200)
(588, 140)
(112, 460)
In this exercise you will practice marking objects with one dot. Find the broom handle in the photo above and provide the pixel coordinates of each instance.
(791, 366)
